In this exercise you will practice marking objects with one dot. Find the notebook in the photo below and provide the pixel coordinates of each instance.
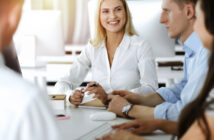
(95, 104)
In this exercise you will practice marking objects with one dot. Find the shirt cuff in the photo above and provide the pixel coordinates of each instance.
(68, 94)
(161, 111)
(167, 95)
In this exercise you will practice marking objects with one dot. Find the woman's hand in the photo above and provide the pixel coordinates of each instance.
(120, 135)
(77, 97)
(98, 90)
(139, 126)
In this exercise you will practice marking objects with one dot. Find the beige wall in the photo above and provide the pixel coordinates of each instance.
(74, 17)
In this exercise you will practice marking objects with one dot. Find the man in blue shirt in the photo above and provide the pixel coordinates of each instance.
(167, 103)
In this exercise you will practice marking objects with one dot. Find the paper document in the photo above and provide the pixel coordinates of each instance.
(95, 104)
(87, 97)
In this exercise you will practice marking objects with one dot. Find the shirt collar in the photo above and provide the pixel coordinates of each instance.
(191, 45)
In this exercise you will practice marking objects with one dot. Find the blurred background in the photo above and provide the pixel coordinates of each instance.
(74, 17)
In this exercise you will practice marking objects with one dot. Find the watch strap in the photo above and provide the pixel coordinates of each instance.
(126, 112)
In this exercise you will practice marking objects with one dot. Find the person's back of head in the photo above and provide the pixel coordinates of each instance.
(10, 13)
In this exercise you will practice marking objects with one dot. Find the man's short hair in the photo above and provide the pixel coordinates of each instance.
(182, 2)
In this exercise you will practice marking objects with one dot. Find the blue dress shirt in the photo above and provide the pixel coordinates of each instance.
(195, 71)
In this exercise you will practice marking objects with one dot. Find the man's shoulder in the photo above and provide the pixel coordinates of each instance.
(203, 51)
(202, 55)
(15, 85)
(16, 94)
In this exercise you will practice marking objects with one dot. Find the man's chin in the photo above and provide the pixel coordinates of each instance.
(172, 36)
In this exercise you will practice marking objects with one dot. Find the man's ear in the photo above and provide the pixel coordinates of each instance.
(190, 11)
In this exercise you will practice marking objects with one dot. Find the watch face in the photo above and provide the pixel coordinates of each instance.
(126, 108)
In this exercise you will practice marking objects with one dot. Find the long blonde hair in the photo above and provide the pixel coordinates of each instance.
(100, 32)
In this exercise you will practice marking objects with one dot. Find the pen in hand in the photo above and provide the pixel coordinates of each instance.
(90, 87)
(94, 85)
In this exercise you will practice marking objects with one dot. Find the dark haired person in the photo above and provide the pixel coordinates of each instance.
(24, 110)
(197, 118)
(178, 16)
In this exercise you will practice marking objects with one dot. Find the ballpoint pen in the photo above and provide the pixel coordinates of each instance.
(94, 85)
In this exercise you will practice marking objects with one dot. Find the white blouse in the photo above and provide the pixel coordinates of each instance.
(133, 67)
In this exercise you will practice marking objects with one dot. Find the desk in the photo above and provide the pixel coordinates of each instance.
(41, 75)
(80, 124)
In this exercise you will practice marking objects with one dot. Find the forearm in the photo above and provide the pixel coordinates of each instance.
(150, 100)
(167, 126)
(139, 111)
(144, 89)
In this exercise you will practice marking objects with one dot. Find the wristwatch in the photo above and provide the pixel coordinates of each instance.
(126, 110)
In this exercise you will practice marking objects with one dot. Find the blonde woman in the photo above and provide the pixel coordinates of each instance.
(116, 56)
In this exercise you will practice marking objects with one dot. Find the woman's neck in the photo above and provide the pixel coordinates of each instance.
(114, 39)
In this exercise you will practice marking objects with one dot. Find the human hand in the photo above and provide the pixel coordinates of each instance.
(116, 104)
(98, 90)
(77, 97)
(120, 135)
(140, 126)
(122, 93)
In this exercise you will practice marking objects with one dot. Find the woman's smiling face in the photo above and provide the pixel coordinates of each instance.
(113, 16)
